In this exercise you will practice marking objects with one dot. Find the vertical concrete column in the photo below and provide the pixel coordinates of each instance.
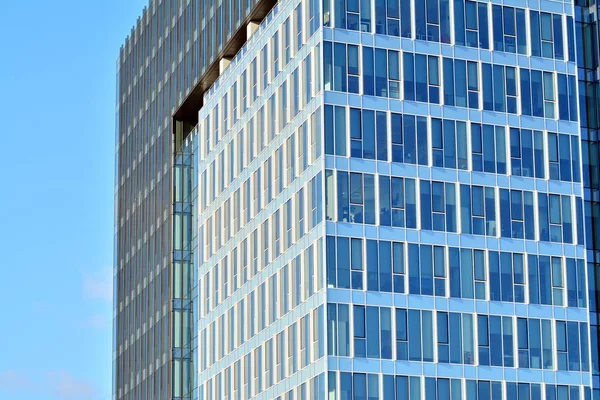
(223, 64)
(251, 28)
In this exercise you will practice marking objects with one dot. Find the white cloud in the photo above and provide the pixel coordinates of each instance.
(98, 285)
(67, 387)
(12, 382)
(98, 321)
(60, 384)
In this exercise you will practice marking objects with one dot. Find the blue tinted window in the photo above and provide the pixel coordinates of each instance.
(380, 16)
(510, 30)
(558, 36)
(489, 151)
(381, 73)
(388, 387)
(563, 97)
(343, 263)
(456, 342)
(360, 387)
(448, 66)
(466, 266)
(372, 265)
(353, 70)
(534, 22)
(454, 267)
(414, 335)
(473, 84)
(409, 76)
(339, 67)
(537, 94)
(525, 92)
(498, 28)
(443, 337)
(488, 88)
(420, 24)
(546, 35)
(368, 71)
(405, 18)
(368, 132)
(340, 131)
(426, 270)
(401, 335)
(427, 335)
(385, 267)
(381, 136)
(329, 141)
(461, 83)
(571, 39)
(365, 15)
(345, 386)
(394, 74)
(330, 261)
(421, 79)
(422, 141)
(507, 334)
(327, 65)
(521, 31)
(410, 141)
(499, 85)
(575, 159)
(445, 21)
(413, 269)
(459, 22)
(426, 212)
(494, 270)
(372, 334)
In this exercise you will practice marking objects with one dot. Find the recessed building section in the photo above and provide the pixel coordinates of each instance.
(188, 109)
(166, 64)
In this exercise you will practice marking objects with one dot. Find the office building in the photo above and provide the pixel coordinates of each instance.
(586, 29)
(376, 199)
(171, 54)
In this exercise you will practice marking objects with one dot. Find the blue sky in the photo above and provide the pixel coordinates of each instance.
(57, 97)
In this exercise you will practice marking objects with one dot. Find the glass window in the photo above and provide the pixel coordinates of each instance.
(335, 130)
(381, 73)
(372, 266)
(460, 83)
(353, 69)
(537, 94)
(534, 22)
(409, 76)
(459, 22)
(526, 107)
(368, 71)
(421, 77)
(410, 140)
(394, 74)
(398, 267)
(343, 263)
(473, 84)
(488, 87)
(414, 335)
(448, 66)
(357, 261)
(385, 266)
(401, 334)
(405, 18)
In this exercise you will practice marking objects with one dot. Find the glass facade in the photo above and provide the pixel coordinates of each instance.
(261, 298)
(381, 199)
(586, 29)
(174, 45)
